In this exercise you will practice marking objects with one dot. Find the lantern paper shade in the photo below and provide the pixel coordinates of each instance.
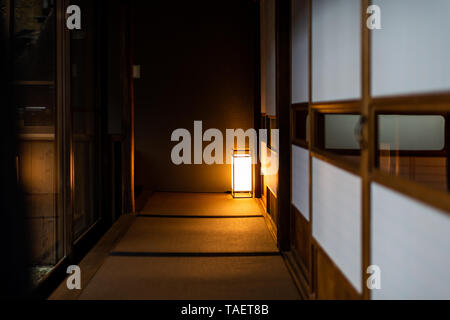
(242, 174)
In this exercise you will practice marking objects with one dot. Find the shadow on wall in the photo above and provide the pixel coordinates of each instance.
(197, 63)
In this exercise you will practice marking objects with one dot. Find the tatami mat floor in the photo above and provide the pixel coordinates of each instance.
(192, 278)
(194, 246)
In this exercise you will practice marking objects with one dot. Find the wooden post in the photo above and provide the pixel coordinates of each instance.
(283, 106)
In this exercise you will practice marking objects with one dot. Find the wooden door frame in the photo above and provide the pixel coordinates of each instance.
(127, 79)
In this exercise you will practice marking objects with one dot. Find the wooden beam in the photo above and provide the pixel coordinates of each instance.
(367, 147)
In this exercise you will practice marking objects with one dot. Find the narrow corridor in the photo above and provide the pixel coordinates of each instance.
(334, 115)
(191, 246)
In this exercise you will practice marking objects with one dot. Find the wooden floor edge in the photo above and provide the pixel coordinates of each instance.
(95, 259)
(142, 199)
(296, 275)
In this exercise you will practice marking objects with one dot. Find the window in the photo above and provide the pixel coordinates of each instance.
(339, 135)
(34, 96)
(414, 146)
(85, 119)
(300, 125)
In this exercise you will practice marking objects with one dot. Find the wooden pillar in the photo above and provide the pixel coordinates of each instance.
(283, 107)
(126, 38)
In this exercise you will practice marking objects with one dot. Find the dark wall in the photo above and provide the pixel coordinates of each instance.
(115, 92)
(197, 63)
(13, 232)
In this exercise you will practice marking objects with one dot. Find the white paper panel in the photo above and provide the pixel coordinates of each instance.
(337, 217)
(263, 57)
(274, 139)
(268, 58)
(411, 245)
(300, 52)
(269, 167)
(410, 53)
(412, 132)
(336, 50)
(300, 180)
(272, 172)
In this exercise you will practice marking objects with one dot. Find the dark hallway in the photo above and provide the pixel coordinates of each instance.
(224, 150)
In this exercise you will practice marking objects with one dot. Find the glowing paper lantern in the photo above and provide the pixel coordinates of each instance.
(242, 174)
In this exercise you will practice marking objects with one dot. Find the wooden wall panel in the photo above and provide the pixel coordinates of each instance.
(331, 283)
(301, 240)
(272, 207)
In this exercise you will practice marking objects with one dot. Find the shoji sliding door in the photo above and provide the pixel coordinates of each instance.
(336, 154)
(370, 149)
(327, 186)
(269, 149)
(301, 162)
(410, 89)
